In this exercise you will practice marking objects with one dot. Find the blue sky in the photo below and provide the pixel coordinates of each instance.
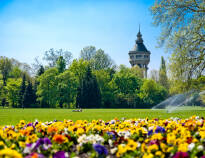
(30, 27)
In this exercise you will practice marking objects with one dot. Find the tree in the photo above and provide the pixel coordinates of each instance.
(87, 53)
(61, 64)
(29, 96)
(152, 93)
(51, 56)
(3, 102)
(98, 58)
(182, 24)
(40, 71)
(66, 88)
(88, 95)
(5, 68)
(107, 95)
(101, 60)
(163, 80)
(125, 81)
(13, 88)
(47, 89)
(126, 85)
(16, 72)
(136, 70)
(22, 91)
(79, 68)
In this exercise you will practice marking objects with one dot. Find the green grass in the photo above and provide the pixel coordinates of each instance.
(13, 116)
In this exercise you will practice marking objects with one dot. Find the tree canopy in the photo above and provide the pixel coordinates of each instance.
(183, 33)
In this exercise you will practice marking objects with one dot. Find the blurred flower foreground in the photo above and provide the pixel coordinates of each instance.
(143, 138)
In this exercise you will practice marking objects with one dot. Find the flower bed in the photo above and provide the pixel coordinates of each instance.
(177, 138)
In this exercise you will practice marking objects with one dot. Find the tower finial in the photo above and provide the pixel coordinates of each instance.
(139, 27)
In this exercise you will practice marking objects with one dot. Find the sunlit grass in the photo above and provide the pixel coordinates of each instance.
(12, 116)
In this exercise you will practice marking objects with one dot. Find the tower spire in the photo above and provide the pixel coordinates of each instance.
(139, 36)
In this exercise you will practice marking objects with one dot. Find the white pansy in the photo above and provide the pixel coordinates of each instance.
(66, 155)
(151, 128)
(110, 142)
(126, 134)
(200, 148)
(112, 122)
(113, 150)
(191, 146)
(90, 139)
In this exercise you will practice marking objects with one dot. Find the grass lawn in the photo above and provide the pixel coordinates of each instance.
(13, 116)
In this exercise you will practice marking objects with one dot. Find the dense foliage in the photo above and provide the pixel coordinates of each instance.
(183, 33)
(92, 81)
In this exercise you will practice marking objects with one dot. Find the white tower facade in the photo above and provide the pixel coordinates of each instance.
(139, 55)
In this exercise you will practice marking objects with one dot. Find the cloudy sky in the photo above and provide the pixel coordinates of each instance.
(30, 27)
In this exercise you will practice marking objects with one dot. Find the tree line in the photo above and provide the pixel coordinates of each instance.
(92, 81)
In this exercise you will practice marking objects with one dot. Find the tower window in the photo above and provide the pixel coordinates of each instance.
(146, 56)
(138, 56)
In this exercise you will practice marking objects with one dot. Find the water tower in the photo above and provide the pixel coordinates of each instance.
(139, 55)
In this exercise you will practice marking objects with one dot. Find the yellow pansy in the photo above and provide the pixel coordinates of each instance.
(80, 131)
(152, 148)
(183, 147)
(9, 153)
(148, 155)
(131, 145)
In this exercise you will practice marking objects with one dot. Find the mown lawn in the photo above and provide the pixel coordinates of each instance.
(12, 116)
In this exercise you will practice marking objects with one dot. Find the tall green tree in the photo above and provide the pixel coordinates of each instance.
(88, 95)
(29, 96)
(183, 34)
(5, 68)
(47, 89)
(61, 64)
(22, 91)
(163, 79)
(107, 95)
(13, 88)
(79, 68)
(66, 88)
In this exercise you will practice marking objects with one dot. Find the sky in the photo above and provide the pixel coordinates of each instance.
(30, 27)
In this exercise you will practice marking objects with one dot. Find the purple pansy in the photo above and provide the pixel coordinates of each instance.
(181, 155)
(150, 132)
(59, 154)
(45, 142)
(100, 149)
(160, 130)
(111, 134)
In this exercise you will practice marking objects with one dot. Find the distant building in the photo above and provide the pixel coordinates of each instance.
(139, 55)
